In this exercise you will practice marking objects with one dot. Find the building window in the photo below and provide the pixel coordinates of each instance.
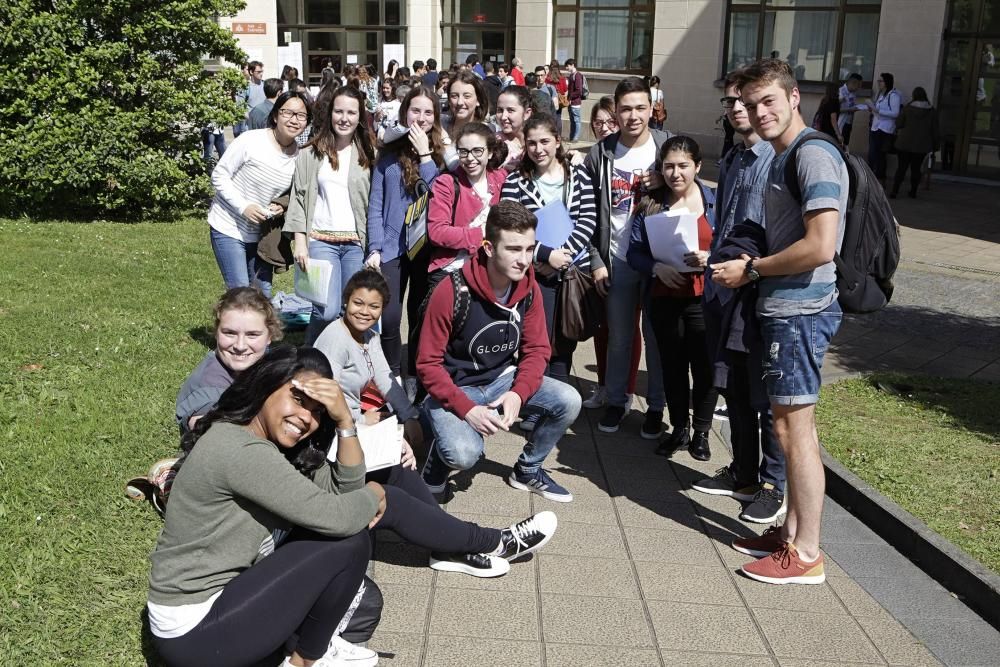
(823, 40)
(477, 27)
(605, 35)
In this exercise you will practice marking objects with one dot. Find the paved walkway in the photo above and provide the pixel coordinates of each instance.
(640, 571)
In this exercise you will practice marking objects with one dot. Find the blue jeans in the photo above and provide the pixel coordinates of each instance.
(238, 262)
(210, 139)
(347, 259)
(794, 348)
(627, 288)
(459, 446)
(574, 122)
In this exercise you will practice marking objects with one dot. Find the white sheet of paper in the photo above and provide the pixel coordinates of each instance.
(671, 235)
(382, 444)
(314, 284)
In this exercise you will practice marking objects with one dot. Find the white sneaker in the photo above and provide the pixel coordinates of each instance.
(598, 398)
(342, 653)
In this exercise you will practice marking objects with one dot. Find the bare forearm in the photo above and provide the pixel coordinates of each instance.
(803, 255)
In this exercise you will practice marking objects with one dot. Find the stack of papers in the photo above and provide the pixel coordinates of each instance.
(314, 283)
(672, 234)
(382, 444)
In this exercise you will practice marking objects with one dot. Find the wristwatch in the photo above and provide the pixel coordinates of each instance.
(347, 432)
(751, 272)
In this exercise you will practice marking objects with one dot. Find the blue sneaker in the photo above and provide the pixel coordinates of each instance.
(435, 472)
(539, 482)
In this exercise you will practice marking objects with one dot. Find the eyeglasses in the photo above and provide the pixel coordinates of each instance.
(476, 152)
(289, 114)
(605, 123)
(729, 102)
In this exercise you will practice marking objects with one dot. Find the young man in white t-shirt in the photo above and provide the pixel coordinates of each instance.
(622, 168)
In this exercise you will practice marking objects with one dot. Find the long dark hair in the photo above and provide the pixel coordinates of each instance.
(324, 139)
(246, 397)
(402, 149)
(548, 123)
(496, 147)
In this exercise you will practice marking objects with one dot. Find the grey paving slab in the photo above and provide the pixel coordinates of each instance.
(918, 598)
(690, 659)
(405, 608)
(677, 513)
(796, 634)
(958, 642)
(446, 652)
(581, 539)
(398, 649)
(670, 546)
(400, 563)
(587, 508)
(682, 626)
(896, 644)
(819, 599)
(572, 619)
(697, 584)
(505, 501)
(573, 575)
(575, 655)
(484, 614)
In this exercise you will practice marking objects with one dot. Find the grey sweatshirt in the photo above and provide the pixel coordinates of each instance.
(233, 490)
(350, 368)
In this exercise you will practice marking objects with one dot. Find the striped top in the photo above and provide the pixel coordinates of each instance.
(579, 202)
(252, 171)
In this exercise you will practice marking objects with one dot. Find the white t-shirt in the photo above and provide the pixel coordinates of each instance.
(625, 190)
(253, 170)
(333, 203)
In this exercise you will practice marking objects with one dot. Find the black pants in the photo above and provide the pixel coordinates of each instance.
(561, 360)
(432, 280)
(400, 273)
(757, 456)
(878, 146)
(912, 161)
(679, 327)
(413, 514)
(303, 588)
(846, 134)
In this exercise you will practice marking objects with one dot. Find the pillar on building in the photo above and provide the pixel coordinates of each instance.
(423, 31)
(533, 32)
(256, 30)
(687, 49)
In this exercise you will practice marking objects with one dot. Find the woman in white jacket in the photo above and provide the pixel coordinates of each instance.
(885, 110)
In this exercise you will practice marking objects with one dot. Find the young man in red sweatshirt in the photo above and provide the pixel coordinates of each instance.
(480, 374)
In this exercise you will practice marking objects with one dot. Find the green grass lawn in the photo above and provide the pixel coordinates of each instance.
(99, 325)
(932, 445)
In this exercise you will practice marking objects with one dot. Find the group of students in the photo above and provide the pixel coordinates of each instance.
(909, 130)
(272, 465)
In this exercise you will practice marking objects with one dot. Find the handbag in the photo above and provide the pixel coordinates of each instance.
(415, 220)
(579, 307)
(563, 100)
(659, 112)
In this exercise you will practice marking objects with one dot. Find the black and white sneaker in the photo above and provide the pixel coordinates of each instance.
(613, 417)
(527, 536)
(723, 483)
(767, 505)
(721, 413)
(477, 565)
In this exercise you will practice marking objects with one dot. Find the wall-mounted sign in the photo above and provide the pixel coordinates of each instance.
(244, 28)
(479, 18)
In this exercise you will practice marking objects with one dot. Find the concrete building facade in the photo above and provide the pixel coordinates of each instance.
(946, 46)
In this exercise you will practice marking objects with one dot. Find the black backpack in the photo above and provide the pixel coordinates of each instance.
(869, 255)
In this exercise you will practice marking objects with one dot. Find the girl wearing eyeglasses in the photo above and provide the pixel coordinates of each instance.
(256, 169)
(459, 205)
(328, 209)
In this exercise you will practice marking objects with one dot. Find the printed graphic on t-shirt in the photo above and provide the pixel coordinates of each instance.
(493, 345)
(623, 188)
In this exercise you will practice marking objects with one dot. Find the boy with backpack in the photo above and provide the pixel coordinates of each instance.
(482, 354)
(797, 306)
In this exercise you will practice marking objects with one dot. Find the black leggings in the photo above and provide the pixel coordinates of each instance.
(412, 513)
(303, 588)
(679, 326)
(399, 273)
(561, 360)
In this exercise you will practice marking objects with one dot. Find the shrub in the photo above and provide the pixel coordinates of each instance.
(103, 103)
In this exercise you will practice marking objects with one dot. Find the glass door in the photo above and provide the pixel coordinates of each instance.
(983, 152)
(479, 27)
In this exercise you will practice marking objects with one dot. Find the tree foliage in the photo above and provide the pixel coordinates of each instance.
(103, 102)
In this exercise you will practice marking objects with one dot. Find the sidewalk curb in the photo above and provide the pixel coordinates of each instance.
(972, 582)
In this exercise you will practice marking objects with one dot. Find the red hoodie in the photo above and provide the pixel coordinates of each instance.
(487, 344)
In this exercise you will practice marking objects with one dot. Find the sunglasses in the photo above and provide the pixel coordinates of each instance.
(729, 102)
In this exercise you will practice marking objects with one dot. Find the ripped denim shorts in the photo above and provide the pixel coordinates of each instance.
(793, 354)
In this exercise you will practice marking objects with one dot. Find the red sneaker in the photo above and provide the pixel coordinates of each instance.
(765, 545)
(785, 566)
